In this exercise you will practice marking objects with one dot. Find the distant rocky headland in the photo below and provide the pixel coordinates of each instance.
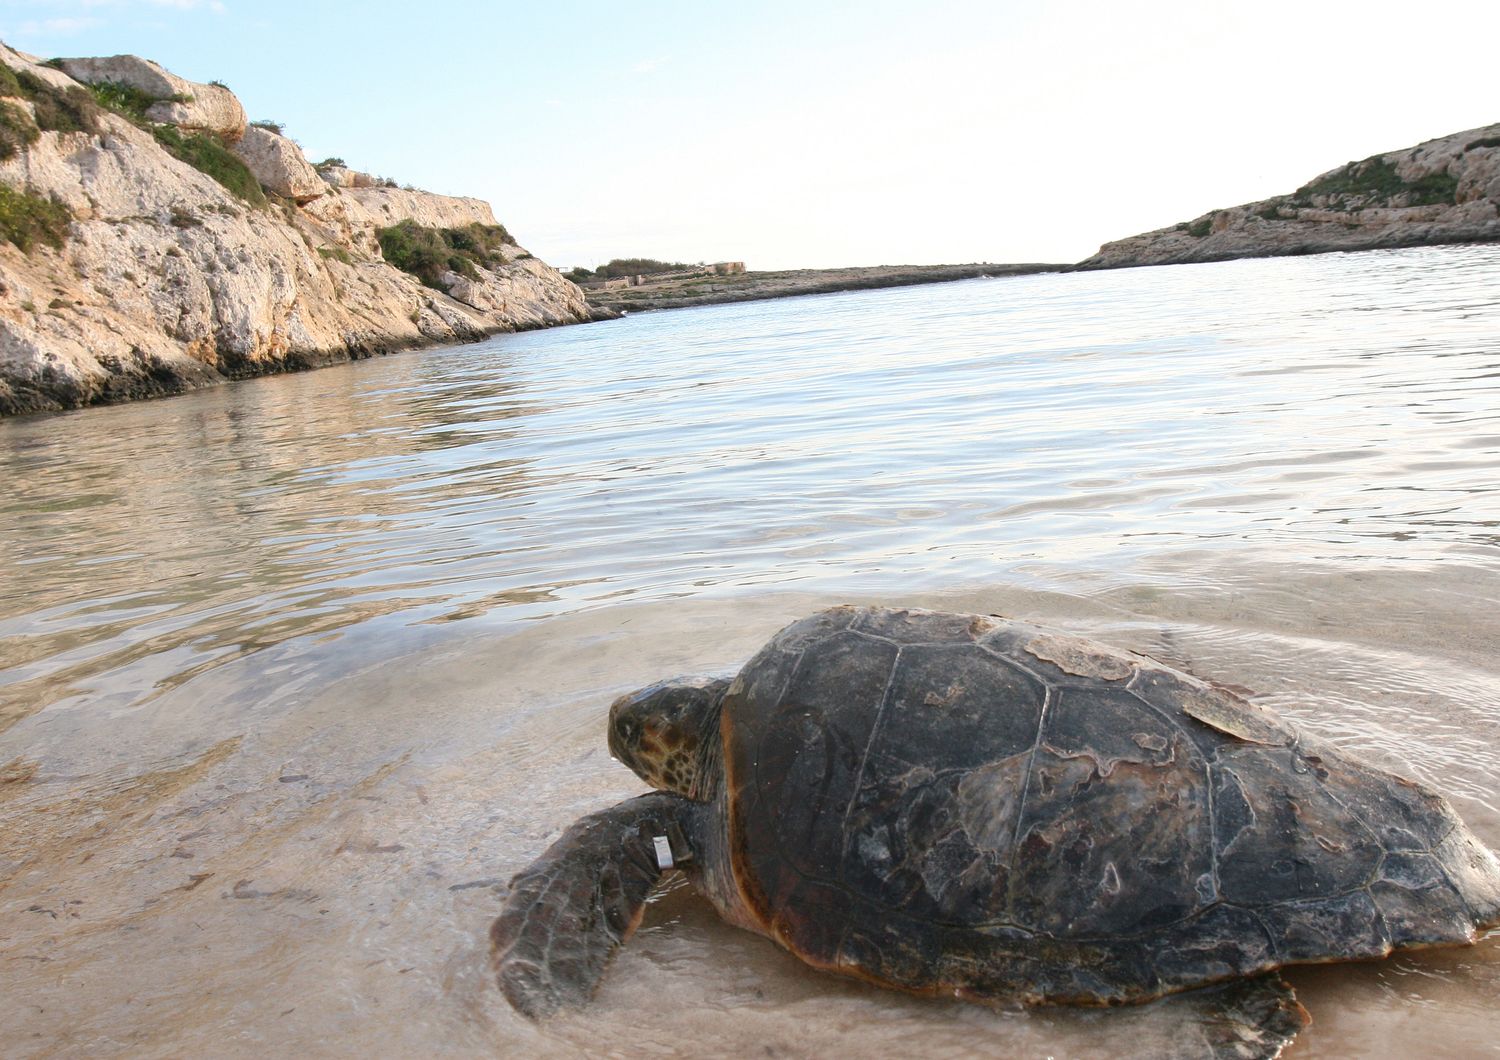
(712, 284)
(1442, 191)
(153, 241)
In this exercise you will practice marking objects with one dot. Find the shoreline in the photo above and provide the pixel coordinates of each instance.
(1325, 241)
(155, 380)
(786, 283)
(153, 383)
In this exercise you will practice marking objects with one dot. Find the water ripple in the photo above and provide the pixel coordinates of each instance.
(1338, 410)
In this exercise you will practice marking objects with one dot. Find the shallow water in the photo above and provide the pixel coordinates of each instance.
(297, 672)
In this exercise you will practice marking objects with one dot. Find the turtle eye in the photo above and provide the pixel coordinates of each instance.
(630, 729)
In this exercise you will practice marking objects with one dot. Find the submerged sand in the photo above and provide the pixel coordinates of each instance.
(295, 674)
(316, 874)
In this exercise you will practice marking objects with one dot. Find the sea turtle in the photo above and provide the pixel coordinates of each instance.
(968, 806)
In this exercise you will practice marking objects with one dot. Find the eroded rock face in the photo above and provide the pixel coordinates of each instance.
(338, 176)
(386, 206)
(210, 108)
(279, 165)
(168, 281)
(1443, 191)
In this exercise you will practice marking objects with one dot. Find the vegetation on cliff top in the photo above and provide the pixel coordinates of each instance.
(427, 253)
(76, 109)
(203, 151)
(207, 154)
(1357, 186)
(52, 109)
(126, 100)
(1375, 182)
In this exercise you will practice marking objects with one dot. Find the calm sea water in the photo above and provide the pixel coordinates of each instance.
(429, 573)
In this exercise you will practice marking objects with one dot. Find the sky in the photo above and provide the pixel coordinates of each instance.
(822, 134)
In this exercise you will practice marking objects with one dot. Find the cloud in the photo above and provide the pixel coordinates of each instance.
(78, 16)
(56, 27)
(72, 6)
(84, 4)
(646, 66)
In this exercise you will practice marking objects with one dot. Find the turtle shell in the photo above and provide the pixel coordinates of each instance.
(959, 804)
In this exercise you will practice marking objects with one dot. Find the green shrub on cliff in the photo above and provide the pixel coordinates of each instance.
(69, 109)
(17, 130)
(60, 110)
(203, 151)
(1434, 189)
(427, 253)
(26, 219)
(482, 242)
(123, 99)
(207, 154)
(130, 102)
(636, 267)
(1375, 182)
(65, 110)
(417, 250)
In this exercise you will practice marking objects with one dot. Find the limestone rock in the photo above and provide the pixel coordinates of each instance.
(337, 176)
(386, 206)
(210, 108)
(167, 281)
(277, 162)
(344, 177)
(1442, 191)
(343, 223)
(21, 60)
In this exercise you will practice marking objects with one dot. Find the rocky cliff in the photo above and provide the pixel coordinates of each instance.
(151, 242)
(1442, 191)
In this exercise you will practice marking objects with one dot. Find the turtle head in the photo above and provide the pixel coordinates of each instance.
(665, 731)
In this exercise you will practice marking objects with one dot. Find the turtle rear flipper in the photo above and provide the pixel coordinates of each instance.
(575, 905)
(1250, 1019)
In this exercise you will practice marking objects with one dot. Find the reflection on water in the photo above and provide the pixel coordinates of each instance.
(1337, 409)
(427, 573)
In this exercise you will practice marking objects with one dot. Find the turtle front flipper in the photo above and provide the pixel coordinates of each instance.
(575, 905)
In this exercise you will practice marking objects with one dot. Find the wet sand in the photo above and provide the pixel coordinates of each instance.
(316, 875)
